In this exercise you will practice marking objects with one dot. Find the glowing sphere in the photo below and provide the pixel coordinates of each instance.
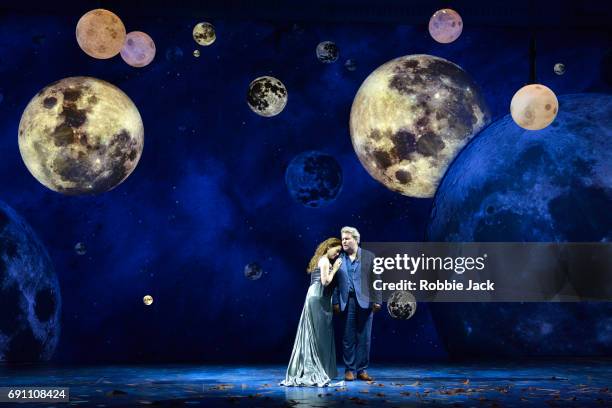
(138, 50)
(204, 34)
(147, 300)
(534, 107)
(445, 26)
(100, 33)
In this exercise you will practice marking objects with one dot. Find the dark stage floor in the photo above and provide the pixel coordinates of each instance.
(584, 383)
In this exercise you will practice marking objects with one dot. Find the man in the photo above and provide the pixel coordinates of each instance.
(354, 299)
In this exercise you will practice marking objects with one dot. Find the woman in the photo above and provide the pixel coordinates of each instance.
(313, 359)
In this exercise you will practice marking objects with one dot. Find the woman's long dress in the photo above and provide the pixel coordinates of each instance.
(313, 359)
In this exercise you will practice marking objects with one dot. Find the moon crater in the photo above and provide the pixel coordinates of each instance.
(81, 135)
(409, 119)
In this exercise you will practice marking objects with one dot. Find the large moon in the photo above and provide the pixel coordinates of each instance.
(100, 33)
(267, 96)
(81, 135)
(409, 119)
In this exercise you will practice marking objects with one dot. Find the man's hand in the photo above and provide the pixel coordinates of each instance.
(336, 309)
(337, 263)
(375, 307)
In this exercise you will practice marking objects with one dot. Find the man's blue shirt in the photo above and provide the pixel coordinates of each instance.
(352, 267)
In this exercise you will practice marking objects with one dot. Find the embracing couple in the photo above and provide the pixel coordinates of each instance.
(340, 274)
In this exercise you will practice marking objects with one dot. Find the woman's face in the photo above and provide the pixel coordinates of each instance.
(333, 252)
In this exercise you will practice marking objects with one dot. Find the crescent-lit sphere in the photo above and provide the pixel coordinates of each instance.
(410, 118)
(559, 68)
(81, 135)
(534, 107)
(138, 50)
(204, 34)
(100, 33)
(445, 26)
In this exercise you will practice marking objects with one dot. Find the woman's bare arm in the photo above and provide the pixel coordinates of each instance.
(325, 267)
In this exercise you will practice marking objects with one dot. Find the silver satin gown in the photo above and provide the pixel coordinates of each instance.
(313, 359)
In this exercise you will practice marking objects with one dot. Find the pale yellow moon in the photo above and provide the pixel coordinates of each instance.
(148, 300)
(445, 26)
(204, 34)
(534, 107)
(81, 135)
(410, 118)
(100, 33)
(138, 50)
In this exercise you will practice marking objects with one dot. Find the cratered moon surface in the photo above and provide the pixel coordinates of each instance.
(30, 300)
(267, 96)
(409, 119)
(100, 33)
(445, 26)
(204, 34)
(81, 135)
(534, 107)
(138, 50)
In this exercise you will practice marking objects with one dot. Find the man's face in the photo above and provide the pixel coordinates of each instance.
(348, 242)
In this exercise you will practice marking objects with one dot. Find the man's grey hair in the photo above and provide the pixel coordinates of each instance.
(353, 231)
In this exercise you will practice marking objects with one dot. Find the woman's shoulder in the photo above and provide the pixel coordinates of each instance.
(324, 260)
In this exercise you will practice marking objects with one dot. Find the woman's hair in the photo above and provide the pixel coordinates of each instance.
(322, 250)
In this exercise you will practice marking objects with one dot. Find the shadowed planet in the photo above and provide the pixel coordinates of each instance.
(327, 52)
(514, 185)
(30, 300)
(81, 135)
(409, 119)
(314, 179)
(253, 271)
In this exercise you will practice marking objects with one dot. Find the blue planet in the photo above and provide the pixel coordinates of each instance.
(551, 185)
(30, 300)
(314, 179)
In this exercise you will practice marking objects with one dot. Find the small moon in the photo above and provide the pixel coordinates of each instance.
(253, 271)
(196, 53)
(204, 34)
(350, 65)
(327, 52)
(445, 26)
(267, 96)
(138, 50)
(534, 107)
(81, 135)
(80, 248)
(559, 68)
(147, 300)
(100, 34)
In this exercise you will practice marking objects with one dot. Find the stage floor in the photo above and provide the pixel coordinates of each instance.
(583, 383)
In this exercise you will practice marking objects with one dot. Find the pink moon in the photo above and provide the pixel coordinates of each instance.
(138, 49)
(445, 26)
